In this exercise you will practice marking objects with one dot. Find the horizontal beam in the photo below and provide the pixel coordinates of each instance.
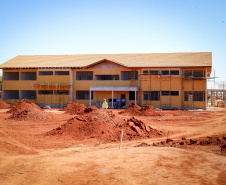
(113, 89)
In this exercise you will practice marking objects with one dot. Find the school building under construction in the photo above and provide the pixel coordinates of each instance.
(165, 80)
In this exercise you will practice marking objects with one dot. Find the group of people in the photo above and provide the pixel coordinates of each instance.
(105, 103)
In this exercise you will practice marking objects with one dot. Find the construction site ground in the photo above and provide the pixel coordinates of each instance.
(29, 155)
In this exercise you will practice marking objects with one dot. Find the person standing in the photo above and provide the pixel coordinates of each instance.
(117, 102)
(123, 101)
(105, 104)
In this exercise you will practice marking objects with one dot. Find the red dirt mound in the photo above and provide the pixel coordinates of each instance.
(104, 126)
(89, 109)
(136, 110)
(74, 108)
(25, 110)
(3, 105)
(22, 105)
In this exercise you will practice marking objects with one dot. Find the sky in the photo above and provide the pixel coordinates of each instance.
(54, 27)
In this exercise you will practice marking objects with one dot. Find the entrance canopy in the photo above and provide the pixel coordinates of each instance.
(112, 89)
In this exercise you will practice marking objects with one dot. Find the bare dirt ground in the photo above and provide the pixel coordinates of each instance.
(29, 156)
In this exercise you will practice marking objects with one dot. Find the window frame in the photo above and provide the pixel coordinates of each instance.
(105, 76)
(16, 79)
(129, 75)
(21, 74)
(86, 75)
(56, 92)
(83, 93)
(15, 91)
(62, 72)
(50, 73)
(50, 92)
(193, 96)
(150, 95)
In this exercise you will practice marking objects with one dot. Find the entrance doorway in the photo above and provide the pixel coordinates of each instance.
(123, 100)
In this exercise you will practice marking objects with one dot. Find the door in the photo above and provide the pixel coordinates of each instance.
(123, 100)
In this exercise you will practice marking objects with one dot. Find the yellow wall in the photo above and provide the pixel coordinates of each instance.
(152, 83)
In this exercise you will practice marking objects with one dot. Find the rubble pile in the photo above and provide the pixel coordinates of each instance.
(24, 110)
(3, 105)
(204, 141)
(74, 108)
(105, 126)
(136, 110)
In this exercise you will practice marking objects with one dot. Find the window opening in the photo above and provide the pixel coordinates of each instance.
(106, 77)
(174, 72)
(129, 75)
(28, 75)
(84, 75)
(11, 75)
(45, 92)
(61, 73)
(45, 73)
(83, 95)
(151, 95)
(61, 92)
(26, 94)
(132, 95)
(11, 94)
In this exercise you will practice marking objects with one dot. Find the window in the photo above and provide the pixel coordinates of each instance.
(84, 75)
(165, 72)
(61, 92)
(174, 72)
(169, 93)
(165, 93)
(129, 75)
(110, 100)
(188, 96)
(132, 95)
(61, 73)
(188, 74)
(25, 94)
(45, 73)
(199, 96)
(11, 94)
(83, 95)
(197, 74)
(174, 93)
(153, 72)
(195, 96)
(11, 75)
(45, 92)
(28, 75)
(151, 95)
(107, 77)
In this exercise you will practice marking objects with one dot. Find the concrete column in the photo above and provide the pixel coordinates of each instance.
(112, 102)
(71, 85)
(135, 97)
(90, 97)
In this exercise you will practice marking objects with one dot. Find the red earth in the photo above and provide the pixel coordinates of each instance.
(167, 147)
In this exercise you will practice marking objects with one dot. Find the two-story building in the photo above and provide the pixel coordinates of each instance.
(170, 80)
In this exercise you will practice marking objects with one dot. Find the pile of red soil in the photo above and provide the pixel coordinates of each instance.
(136, 110)
(77, 108)
(74, 108)
(25, 110)
(203, 141)
(104, 126)
(3, 105)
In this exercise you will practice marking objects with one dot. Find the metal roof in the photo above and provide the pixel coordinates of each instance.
(187, 59)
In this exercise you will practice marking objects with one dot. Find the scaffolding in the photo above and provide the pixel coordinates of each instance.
(49, 99)
(163, 79)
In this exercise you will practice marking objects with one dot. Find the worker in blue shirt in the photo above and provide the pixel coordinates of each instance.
(117, 102)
